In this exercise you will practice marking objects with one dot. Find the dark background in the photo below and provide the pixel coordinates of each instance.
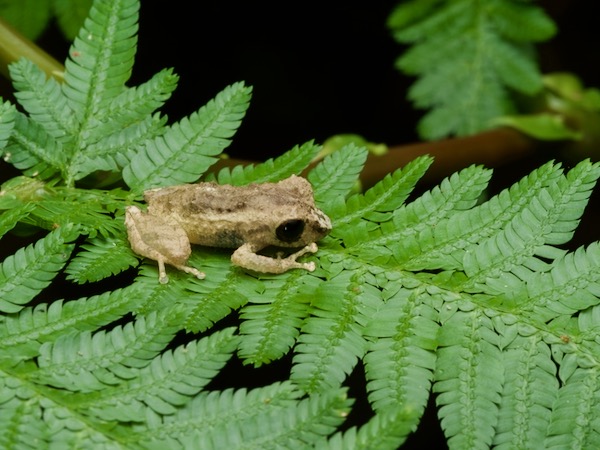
(318, 68)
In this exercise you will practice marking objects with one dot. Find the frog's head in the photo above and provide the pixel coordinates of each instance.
(300, 222)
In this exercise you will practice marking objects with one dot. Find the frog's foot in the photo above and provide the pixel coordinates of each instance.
(310, 266)
(163, 278)
(246, 257)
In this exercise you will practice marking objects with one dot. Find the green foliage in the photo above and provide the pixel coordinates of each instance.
(477, 302)
(469, 56)
(31, 17)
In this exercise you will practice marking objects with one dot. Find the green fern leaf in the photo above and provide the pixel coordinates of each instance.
(453, 234)
(43, 99)
(378, 203)
(467, 55)
(399, 363)
(21, 423)
(170, 381)
(22, 334)
(27, 272)
(522, 22)
(101, 59)
(331, 341)
(530, 390)
(398, 237)
(206, 301)
(290, 163)
(10, 218)
(88, 362)
(577, 274)
(7, 122)
(210, 415)
(268, 417)
(272, 320)
(468, 380)
(384, 431)
(575, 412)
(100, 258)
(114, 151)
(550, 220)
(33, 150)
(188, 148)
(334, 177)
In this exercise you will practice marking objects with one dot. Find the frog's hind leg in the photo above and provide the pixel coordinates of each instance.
(159, 239)
(246, 257)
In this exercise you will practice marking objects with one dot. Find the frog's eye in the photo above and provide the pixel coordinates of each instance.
(290, 230)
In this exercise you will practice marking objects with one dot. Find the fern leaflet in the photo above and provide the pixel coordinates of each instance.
(290, 163)
(27, 272)
(43, 99)
(331, 340)
(468, 380)
(188, 148)
(101, 59)
(468, 55)
(334, 178)
(272, 319)
(100, 258)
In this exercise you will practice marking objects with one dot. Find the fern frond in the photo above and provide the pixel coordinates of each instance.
(88, 362)
(114, 139)
(101, 59)
(549, 220)
(468, 380)
(10, 217)
(530, 390)
(33, 150)
(100, 258)
(273, 317)
(452, 235)
(575, 413)
(334, 177)
(331, 340)
(114, 151)
(384, 431)
(572, 284)
(290, 163)
(32, 268)
(22, 334)
(21, 423)
(212, 413)
(398, 237)
(399, 363)
(91, 214)
(266, 417)
(467, 56)
(378, 203)
(43, 99)
(206, 301)
(7, 122)
(170, 381)
(186, 149)
(137, 103)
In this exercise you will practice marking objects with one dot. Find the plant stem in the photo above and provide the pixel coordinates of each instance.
(13, 46)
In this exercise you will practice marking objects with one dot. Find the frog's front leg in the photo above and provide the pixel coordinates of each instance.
(246, 257)
(160, 239)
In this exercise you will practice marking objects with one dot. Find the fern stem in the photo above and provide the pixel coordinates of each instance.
(14, 46)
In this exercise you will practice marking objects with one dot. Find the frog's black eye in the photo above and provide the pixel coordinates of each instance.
(290, 230)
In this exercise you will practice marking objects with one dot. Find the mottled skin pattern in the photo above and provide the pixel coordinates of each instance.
(248, 218)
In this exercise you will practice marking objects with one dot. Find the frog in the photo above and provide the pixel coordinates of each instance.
(247, 218)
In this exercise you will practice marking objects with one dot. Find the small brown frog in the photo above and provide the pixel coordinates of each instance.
(247, 218)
